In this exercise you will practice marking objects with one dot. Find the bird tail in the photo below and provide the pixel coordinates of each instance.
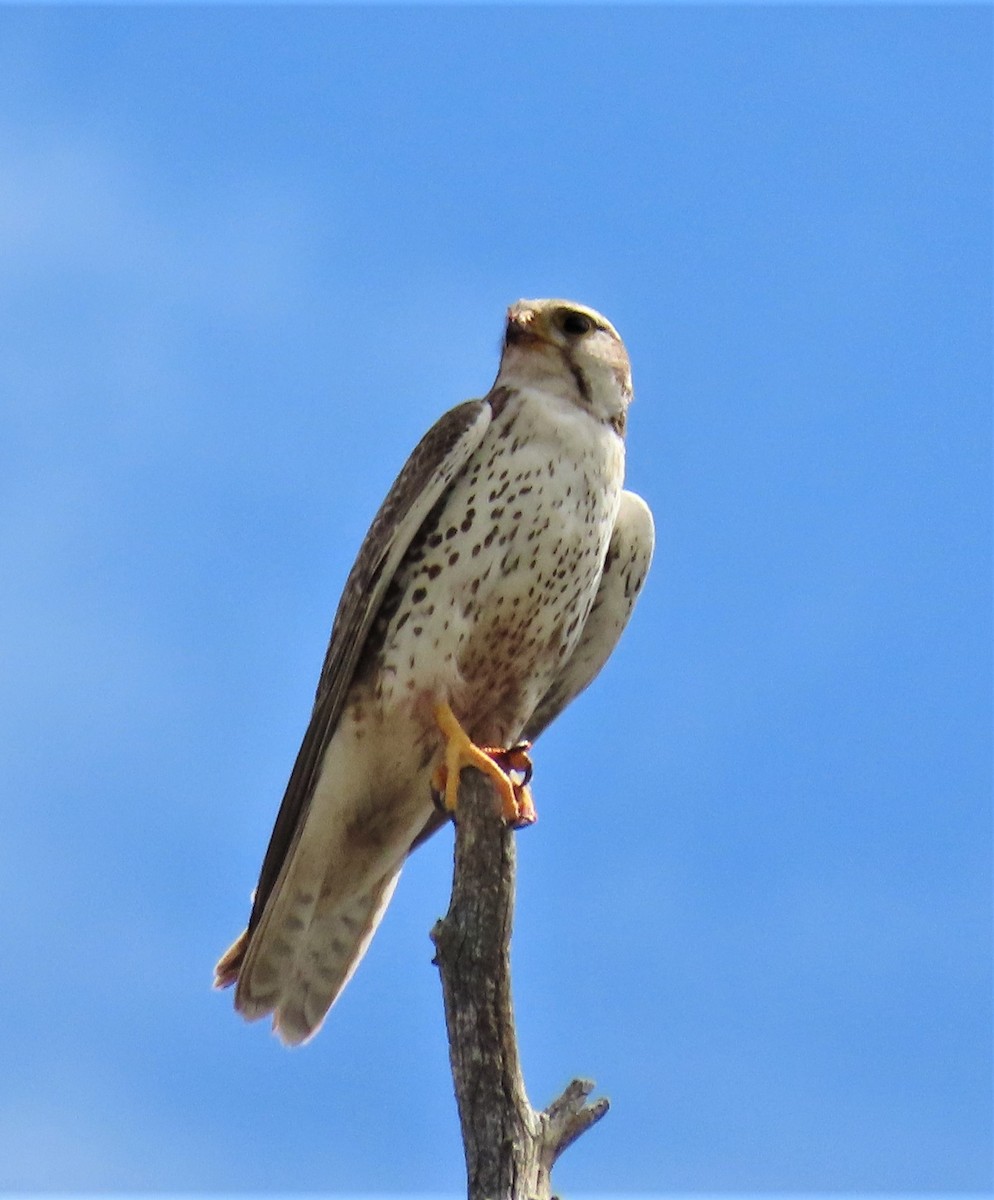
(296, 968)
(230, 962)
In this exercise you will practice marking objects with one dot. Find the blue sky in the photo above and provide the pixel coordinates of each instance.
(247, 256)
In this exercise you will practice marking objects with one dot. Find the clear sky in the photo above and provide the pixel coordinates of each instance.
(247, 256)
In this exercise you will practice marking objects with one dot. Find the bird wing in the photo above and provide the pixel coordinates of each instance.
(625, 566)
(433, 465)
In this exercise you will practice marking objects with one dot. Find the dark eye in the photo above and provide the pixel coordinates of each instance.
(576, 324)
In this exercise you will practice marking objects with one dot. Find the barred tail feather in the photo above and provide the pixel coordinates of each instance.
(296, 969)
(230, 962)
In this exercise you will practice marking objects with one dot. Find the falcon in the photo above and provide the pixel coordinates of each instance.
(491, 588)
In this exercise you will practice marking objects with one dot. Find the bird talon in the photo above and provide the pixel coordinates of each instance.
(503, 766)
(438, 792)
(526, 814)
(515, 761)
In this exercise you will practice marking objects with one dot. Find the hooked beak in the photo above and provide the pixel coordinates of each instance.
(523, 327)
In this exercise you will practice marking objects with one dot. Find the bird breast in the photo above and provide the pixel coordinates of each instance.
(493, 593)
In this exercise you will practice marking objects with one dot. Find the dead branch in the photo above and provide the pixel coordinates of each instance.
(510, 1148)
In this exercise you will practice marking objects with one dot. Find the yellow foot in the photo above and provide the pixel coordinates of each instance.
(516, 805)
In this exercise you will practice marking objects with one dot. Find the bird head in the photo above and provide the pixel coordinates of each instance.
(566, 347)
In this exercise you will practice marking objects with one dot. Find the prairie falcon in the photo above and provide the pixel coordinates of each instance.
(494, 582)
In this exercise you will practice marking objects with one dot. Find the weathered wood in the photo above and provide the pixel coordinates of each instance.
(510, 1148)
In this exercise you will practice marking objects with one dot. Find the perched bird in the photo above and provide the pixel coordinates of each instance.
(493, 584)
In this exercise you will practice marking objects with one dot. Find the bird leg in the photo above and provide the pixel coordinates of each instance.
(516, 804)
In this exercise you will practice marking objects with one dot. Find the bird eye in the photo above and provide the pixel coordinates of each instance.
(575, 323)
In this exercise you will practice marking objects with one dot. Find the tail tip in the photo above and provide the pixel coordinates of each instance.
(229, 965)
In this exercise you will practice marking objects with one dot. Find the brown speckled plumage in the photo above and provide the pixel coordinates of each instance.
(496, 577)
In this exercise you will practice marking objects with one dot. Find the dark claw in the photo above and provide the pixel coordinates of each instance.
(517, 759)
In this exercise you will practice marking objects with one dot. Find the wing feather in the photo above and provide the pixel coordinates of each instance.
(434, 464)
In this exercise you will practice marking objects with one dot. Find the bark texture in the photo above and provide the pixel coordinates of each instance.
(510, 1148)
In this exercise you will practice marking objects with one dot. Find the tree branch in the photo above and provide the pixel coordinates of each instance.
(510, 1148)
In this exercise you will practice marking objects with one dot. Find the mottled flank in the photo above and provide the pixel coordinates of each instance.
(496, 578)
(625, 567)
